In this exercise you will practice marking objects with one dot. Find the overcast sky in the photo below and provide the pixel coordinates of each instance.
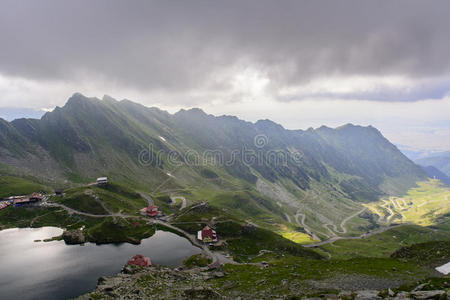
(299, 63)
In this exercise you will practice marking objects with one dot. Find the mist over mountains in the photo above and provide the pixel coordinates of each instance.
(440, 161)
(231, 162)
(436, 164)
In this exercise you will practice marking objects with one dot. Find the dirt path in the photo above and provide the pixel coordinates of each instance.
(344, 230)
(327, 226)
(329, 229)
(386, 206)
(422, 204)
(97, 199)
(288, 218)
(216, 257)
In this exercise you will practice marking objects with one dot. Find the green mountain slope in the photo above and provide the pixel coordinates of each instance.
(259, 171)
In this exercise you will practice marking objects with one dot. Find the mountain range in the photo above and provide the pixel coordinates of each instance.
(12, 113)
(260, 171)
(439, 160)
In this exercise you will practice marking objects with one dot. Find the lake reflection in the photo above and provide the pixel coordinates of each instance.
(54, 270)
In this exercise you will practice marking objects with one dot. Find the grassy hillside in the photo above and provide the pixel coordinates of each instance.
(120, 205)
(431, 253)
(11, 185)
(386, 243)
(423, 213)
(243, 240)
(113, 198)
(119, 230)
(259, 171)
(422, 205)
(288, 273)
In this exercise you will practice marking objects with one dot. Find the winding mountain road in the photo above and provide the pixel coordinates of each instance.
(307, 229)
(216, 257)
(288, 218)
(183, 201)
(362, 236)
(326, 226)
(148, 198)
(344, 230)
(386, 206)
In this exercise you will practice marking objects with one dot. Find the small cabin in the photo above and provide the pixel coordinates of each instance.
(207, 235)
(151, 211)
(102, 181)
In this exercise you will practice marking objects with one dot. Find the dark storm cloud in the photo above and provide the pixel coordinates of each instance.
(186, 45)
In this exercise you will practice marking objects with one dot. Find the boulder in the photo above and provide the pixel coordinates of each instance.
(402, 296)
(73, 237)
(366, 295)
(427, 294)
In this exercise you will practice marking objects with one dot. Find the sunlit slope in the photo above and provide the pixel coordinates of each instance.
(384, 244)
(318, 184)
(424, 205)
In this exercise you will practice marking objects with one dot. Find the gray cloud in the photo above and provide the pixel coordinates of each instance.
(182, 46)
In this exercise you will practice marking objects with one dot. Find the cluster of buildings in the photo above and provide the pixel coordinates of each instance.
(21, 200)
(33, 198)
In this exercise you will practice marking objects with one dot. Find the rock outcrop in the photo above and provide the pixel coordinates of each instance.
(73, 237)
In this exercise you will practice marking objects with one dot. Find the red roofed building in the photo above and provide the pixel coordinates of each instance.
(35, 197)
(151, 211)
(140, 260)
(207, 235)
(4, 204)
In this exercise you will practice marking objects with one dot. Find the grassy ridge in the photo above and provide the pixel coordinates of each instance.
(37, 217)
(89, 137)
(386, 243)
(246, 242)
(94, 200)
(286, 272)
(242, 240)
(431, 253)
(119, 230)
(12, 185)
(113, 198)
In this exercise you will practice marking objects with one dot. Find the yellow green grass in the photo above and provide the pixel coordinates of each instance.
(386, 243)
(295, 236)
(421, 205)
